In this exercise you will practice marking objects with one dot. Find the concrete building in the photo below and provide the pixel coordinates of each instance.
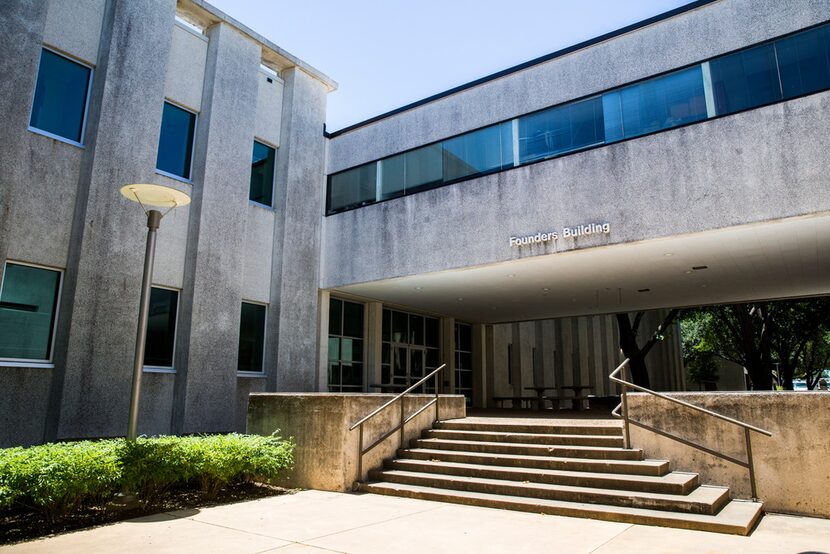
(496, 227)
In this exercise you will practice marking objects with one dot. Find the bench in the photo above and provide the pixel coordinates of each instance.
(524, 401)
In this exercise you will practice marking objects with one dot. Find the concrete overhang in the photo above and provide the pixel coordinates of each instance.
(786, 258)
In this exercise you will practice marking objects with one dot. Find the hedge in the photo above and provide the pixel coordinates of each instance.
(55, 479)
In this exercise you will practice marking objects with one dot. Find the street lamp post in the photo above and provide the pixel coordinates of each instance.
(155, 196)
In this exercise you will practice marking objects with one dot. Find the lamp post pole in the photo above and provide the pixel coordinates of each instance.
(153, 221)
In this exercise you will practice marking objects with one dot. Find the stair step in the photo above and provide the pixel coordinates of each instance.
(630, 467)
(736, 517)
(701, 500)
(571, 427)
(671, 483)
(525, 438)
(596, 452)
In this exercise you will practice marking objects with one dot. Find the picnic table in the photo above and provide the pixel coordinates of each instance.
(540, 393)
(577, 398)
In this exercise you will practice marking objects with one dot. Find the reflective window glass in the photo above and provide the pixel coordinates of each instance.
(28, 304)
(352, 319)
(161, 328)
(423, 168)
(352, 188)
(480, 151)
(176, 141)
(59, 105)
(262, 174)
(745, 79)
(335, 316)
(804, 62)
(560, 129)
(392, 177)
(251, 337)
(661, 103)
(345, 346)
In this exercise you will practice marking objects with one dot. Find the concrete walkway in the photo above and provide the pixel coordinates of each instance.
(315, 521)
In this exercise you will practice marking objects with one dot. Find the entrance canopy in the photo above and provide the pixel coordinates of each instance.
(772, 260)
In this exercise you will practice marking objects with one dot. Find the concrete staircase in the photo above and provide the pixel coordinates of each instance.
(573, 468)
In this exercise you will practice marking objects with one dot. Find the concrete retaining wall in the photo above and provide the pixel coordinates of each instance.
(792, 468)
(327, 452)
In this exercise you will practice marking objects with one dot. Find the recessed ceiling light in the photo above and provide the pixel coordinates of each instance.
(510, 275)
(699, 267)
(643, 290)
(546, 289)
(703, 286)
(419, 288)
(688, 271)
(460, 299)
(668, 254)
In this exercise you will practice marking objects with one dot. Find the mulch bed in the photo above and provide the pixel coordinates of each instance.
(23, 525)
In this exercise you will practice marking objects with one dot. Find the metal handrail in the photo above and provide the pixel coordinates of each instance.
(628, 420)
(403, 419)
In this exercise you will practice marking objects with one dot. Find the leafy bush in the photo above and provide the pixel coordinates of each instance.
(152, 466)
(55, 479)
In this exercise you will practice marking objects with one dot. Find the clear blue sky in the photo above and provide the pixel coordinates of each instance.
(387, 53)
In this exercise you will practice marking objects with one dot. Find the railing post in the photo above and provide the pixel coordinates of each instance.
(750, 464)
(402, 418)
(360, 454)
(436, 395)
(627, 437)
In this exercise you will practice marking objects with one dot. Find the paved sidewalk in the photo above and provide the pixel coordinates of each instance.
(319, 522)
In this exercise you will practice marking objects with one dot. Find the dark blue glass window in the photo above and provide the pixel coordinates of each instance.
(251, 337)
(262, 174)
(354, 187)
(804, 62)
(345, 359)
(28, 303)
(480, 151)
(161, 328)
(745, 79)
(661, 103)
(561, 129)
(176, 141)
(59, 105)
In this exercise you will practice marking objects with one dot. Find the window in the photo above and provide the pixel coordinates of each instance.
(262, 174)
(464, 361)
(251, 338)
(345, 346)
(178, 127)
(61, 93)
(352, 188)
(804, 61)
(481, 151)
(745, 79)
(161, 328)
(28, 309)
(667, 101)
(561, 129)
(409, 349)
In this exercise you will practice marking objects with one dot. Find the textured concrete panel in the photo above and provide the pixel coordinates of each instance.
(759, 165)
(23, 405)
(691, 37)
(74, 27)
(245, 386)
(269, 108)
(156, 404)
(186, 68)
(326, 457)
(258, 250)
(210, 307)
(790, 467)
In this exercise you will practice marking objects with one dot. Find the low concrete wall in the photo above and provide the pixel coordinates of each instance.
(792, 467)
(327, 452)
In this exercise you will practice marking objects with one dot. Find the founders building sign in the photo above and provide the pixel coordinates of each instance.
(566, 233)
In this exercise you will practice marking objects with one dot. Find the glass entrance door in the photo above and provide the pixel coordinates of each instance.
(409, 350)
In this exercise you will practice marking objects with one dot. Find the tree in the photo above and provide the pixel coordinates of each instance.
(815, 358)
(636, 355)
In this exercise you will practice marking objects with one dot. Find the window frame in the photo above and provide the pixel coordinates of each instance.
(160, 368)
(273, 177)
(364, 385)
(39, 131)
(264, 372)
(189, 178)
(47, 363)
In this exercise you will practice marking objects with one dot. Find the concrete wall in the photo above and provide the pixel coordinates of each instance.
(326, 456)
(791, 467)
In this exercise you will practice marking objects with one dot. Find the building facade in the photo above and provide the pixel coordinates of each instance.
(495, 228)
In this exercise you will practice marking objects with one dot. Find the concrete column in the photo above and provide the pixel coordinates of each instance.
(480, 389)
(323, 334)
(212, 292)
(374, 345)
(448, 355)
(516, 373)
(489, 365)
(299, 199)
(99, 306)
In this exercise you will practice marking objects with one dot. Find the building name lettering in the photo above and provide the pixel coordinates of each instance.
(566, 233)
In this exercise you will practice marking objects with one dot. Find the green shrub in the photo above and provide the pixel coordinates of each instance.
(152, 466)
(55, 479)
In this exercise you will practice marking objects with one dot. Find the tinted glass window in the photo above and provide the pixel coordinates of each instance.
(251, 337)
(28, 302)
(176, 141)
(661, 103)
(745, 79)
(804, 61)
(262, 174)
(352, 319)
(560, 129)
(423, 168)
(161, 328)
(478, 152)
(392, 177)
(354, 187)
(345, 359)
(59, 104)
